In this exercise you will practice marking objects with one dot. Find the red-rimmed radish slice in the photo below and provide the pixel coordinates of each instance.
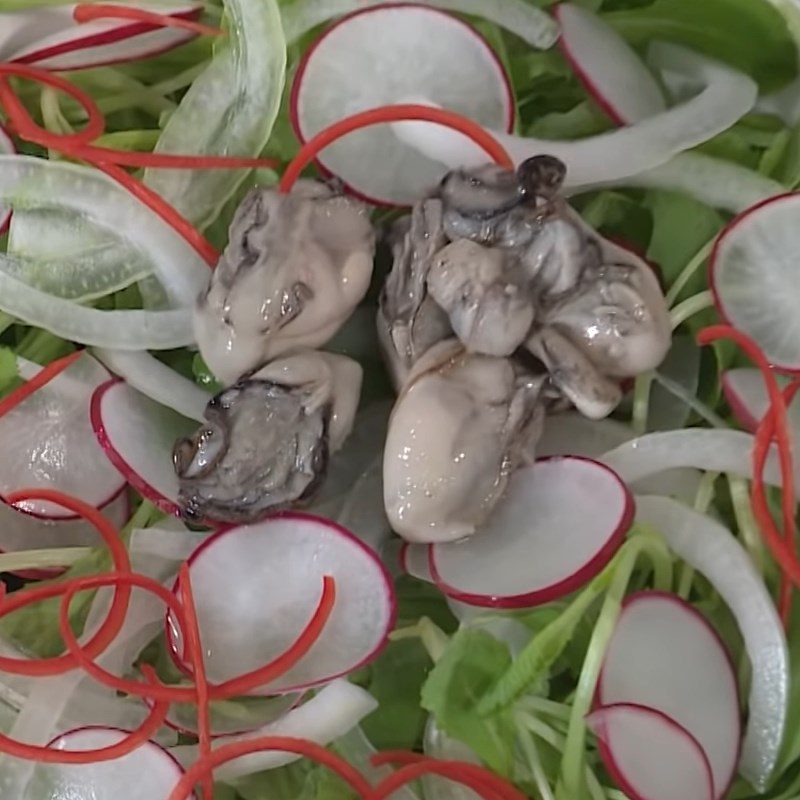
(103, 42)
(558, 524)
(6, 147)
(21, 28)
(332, 712)
(48, 441)
(755, 277)
(650, 756)
(273, 572)
(415, 561)
(138, 434)
(147, 773)
(596, 160)
(665, 655)
(380, 56)
(610, 70)
(233, 717)
(20, 531)
(745, 392)
(714, 551)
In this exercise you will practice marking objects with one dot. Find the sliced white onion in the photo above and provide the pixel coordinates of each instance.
(229, 109)
(530, 23)
(438, 744)
(785, 103)
(6, 148)
(728, 95)
(48, 441)
(713, 550)
(713, 181)
(39, 183)
(61, 253)
(336, 709)
(699, 448)
(157, 381)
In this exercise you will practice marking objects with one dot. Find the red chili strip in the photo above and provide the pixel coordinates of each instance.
(223, 691)
(775, 424)
(133, 740)
(111, 626)
(87, 12)
(52, 370)
(396, 113)
(284, 744)
(195, 651)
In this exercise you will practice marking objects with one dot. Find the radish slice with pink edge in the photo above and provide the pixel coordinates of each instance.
(558, 524)
(755, 277)
(649, 756)
(333, 711)
(6, 148)
(278, 567)
(48, 441)
(147, 773)
(20, 531)
(138, 434)
(394, 51)
(726, 97)
(102, 42)
(714, 551)
(747, 396)
(610, 70)
(664, 655)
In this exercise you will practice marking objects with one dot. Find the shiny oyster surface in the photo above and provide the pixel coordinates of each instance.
(296, 267)
(459, 428)
(267, 438)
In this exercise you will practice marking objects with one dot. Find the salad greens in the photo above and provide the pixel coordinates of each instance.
(522, 713)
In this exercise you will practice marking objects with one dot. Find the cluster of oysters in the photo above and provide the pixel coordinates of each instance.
(502, 306)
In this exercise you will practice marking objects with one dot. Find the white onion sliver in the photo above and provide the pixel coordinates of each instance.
(698, 448)
(713, 181)
(711, 549)
(123, 330)
(6, 148)
(336, 709)
(39, 183)
(157, 381)
(437, 744)
(229, 110)
(728, 95)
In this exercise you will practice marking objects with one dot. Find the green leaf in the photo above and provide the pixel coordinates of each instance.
(8, 369)
(788, 170)
(301, 780)
(681, 226)
(582, 120)
(471, 664)
(751, 36)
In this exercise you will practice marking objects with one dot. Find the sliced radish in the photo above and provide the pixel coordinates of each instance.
(147, 773)
(715, 552)
(650, 756)
(138, 435)
(157, 381)
(610, 70)
(726, 97)
(6, 147)
(273, 572)
(755, 277)
(48, 441)
(331, 713)
(20, 531)
(395, 51)
(102, 42)
(558, 524)
(747, 396)
(665, 656)
(233, 717)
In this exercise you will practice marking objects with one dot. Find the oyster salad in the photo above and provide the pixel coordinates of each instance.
(398, 400)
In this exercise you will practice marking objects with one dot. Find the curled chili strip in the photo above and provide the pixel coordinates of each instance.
(42, 378)
(112, 624)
